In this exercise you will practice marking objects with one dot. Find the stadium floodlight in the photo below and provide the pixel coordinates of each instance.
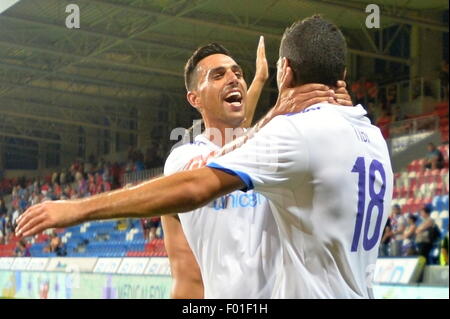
(6, 4)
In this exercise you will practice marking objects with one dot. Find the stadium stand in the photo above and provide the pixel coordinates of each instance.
(115, 238)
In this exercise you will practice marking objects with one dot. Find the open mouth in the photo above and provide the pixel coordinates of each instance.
(234, 99)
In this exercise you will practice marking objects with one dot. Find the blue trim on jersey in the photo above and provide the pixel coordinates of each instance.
(243, 176)
(304, 111)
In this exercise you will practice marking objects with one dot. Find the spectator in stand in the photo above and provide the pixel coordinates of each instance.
(139, 162)
(101, 166)
(444, 251)
(74, 194)
(56, 245)
(55, 177)
(434, 158)
(45, 189)
(98, 183)
(92, 189)
(3, 215)
(106, 186)
(398, 225)
(14, 191)
(79, 176)
(129, 168)
(3, 209)
(23, 196)
(16, 213)
(65, 193)
(384, 121)
(82, 186)
(409, 235)
(115, 174)
(57, 190)
(9, 229)
(35, 187)
(150, 226)
(36, 198)
(88, 168)
(391, 94)
(365, 91)
(423, 232)
(22, 249)
(62, 178)
(106, 174)
(386, 239)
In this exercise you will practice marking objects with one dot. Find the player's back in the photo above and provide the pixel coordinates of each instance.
(234, 238)
(341, 205)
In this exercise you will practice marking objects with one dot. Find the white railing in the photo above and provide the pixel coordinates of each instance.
(405, 133)
(411, 89)
(136, 177)
(429, 123)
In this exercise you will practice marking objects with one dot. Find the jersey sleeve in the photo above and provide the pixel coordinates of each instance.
(277, 154)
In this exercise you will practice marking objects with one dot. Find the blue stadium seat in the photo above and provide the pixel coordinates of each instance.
(445, 201)
(437, 203)
(445, 225)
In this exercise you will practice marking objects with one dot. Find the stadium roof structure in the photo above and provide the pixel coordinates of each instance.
(127, 53)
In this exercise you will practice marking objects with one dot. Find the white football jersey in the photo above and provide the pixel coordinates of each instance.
(234, 239)
(328, 175)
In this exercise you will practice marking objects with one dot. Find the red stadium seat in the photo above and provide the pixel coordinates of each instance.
(439, 189)
(429, 176)
(412, 167)
(412, 182)
(396, 193)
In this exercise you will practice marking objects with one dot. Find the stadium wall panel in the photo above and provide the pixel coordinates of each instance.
(63, 285)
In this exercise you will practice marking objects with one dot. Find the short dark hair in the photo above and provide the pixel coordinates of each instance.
(428, 208)
(412, 217)
(197, 56)
(316, 50)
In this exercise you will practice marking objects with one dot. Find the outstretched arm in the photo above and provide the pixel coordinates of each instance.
(176, 193)
(255, 89)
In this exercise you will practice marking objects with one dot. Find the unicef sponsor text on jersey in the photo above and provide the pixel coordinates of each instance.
(238, 199)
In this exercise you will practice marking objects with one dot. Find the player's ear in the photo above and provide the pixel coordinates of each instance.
(287, 75)
(194, 99)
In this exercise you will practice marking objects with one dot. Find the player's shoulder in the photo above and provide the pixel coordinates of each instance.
(313, 116)
(181, 155)
(325, 115)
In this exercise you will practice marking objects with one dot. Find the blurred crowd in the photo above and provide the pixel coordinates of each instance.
(414, 235)
(382, 102)
(81, 179)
